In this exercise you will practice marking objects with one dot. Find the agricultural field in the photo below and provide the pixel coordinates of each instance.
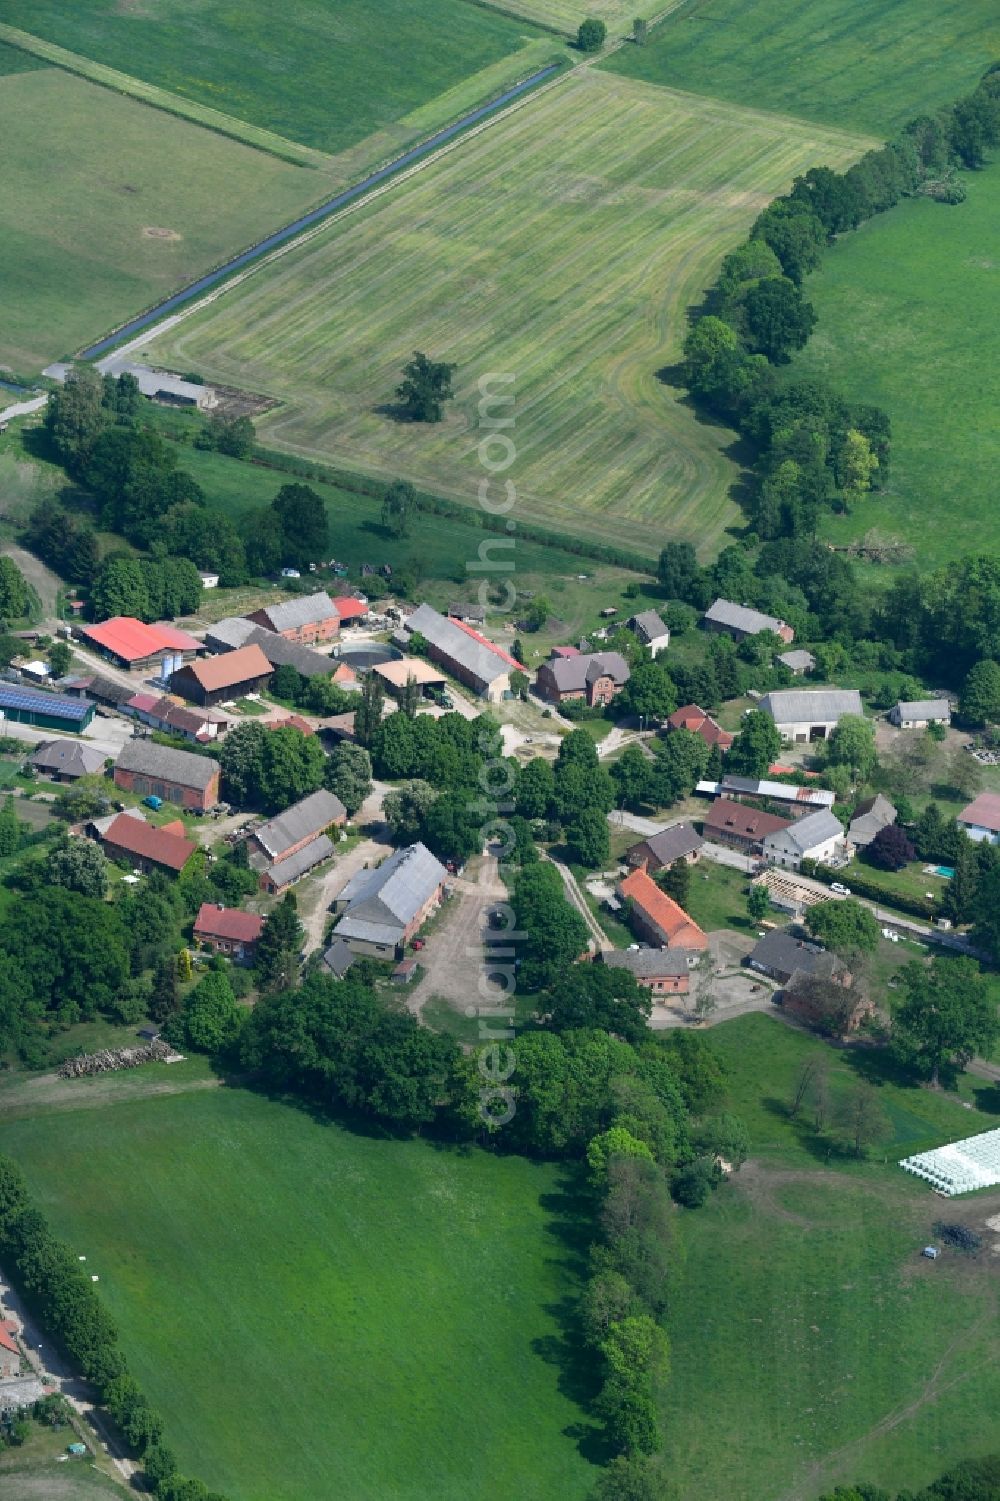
(326, 77)
(316, 1312)
(564, 247)
(852, 63)
(566, 15)
(107, 205)
(903, 305)
(811, 1345)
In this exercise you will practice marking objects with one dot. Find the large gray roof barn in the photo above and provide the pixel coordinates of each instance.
(378, 906)
(303, 609)
(235, 631)
(303, 820)
(802, 711)
(741, 621)
(472, 659)
(167, 764)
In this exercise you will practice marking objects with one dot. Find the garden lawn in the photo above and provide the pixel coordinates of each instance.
(562, 247)
(811, 1345)
(327, 76)
(87, 175)
(717, 897)
(864, 64)
(904, 307)
(319, 1313)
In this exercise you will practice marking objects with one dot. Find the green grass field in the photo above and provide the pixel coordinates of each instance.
(87, 176)
(904, 305)
(863, 65)
(811, 1344)
(317, 1313)
(566, 15)
(563, 247)
(327, 76)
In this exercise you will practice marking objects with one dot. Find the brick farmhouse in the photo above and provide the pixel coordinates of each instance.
(176, 776)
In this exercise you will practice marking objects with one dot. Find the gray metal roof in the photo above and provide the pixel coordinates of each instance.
(381, 902)
(798, 661)
(152, 760)
(486, 664)
(310, 816)
(305, 609)
(647, 964)
(924, 708)
(338, 958)
(781, 951)
(814, 829)
(648, 625)
(672, 844)
(284, 872)
(811, 705)
(785, 792)
(572, 674)
(233, 632)
(741, 617)
(71, 758)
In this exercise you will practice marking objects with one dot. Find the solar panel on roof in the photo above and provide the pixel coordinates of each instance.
(12, 697)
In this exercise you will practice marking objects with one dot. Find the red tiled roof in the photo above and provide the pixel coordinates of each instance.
(690, 717)
(741, 821)
(345, 674)
(983, 812)
(144, 702)
(565, 652)
(134, 639)
(671, 920)
(231, 668)
(349, 608)
(163, 846)
(228, 922)
(505, 656)
(291, 722)
(7, 1340)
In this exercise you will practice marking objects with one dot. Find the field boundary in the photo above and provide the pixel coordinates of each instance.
(162, 99)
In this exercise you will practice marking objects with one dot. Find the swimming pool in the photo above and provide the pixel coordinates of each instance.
(947, 871)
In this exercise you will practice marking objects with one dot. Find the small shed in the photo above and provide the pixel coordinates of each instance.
(931, 1252)
(405, 972)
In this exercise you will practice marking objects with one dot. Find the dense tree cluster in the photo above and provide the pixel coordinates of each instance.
(270, 768)
(970, 1480)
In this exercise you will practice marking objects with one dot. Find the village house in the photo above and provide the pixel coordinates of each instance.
(147, 848)
(740, 621)
(306, 618)
(650, 631)
(919, 713)
(176, 776)
(476, 662)
(663, 971)
(819, 836)
(797, 662)
(396, 675)
(682, 842)
(870, 817)
(287, 847)
(981, 818)
(218, 679)
(739, 826)
(594, 677)
(65, 760)
(780, 953)
(10, 1351)
(134, 645)
(47, 711)
(228, 931)
(235, 631)
(382, 910)
(803, 715)
(697, 722)
(656, 917)
(171, 718)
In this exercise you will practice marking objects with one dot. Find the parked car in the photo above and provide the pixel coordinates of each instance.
(840, 888)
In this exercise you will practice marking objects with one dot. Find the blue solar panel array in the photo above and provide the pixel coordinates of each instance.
(33, 701)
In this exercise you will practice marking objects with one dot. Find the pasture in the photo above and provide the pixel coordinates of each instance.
(811, 1344)
(319, 1313)
(108, 205)
(904, 308)
(563, 247)
(863, 66)
(326, 77)
(566, 15)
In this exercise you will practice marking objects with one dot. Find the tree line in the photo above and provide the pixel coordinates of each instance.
(813, 447)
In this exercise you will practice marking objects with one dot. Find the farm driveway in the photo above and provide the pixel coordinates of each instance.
(315, 899)
(450, 960)
(44, 582)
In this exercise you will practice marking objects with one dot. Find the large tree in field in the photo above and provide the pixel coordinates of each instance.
(591, 35)
(304, 524)
(947, 1015)
(425, 387)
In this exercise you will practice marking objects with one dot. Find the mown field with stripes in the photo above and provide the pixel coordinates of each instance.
(563, 246)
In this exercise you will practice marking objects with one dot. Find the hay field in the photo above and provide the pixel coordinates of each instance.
(566, 15)
(564, 246)
(87, 177)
